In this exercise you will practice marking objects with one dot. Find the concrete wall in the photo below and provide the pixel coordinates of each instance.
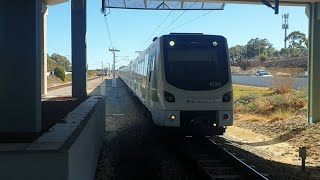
(300, 83)
(84, 153)
(67, 151)
(33, 165)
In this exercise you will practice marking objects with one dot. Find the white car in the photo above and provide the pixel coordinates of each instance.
(259, 71)
(265, 74)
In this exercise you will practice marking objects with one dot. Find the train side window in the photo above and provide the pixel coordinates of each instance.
(146, 60)
(154, 70)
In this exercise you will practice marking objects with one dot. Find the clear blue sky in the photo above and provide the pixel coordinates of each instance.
(130, 29)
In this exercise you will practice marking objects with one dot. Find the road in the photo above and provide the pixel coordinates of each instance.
(299, 83)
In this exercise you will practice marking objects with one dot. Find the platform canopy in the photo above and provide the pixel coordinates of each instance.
(53, 2)
(164, 5)
(194, 4)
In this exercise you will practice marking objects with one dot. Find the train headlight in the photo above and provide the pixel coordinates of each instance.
(226, 117)
(169, 97)
(171, 43)
(214, 43)
(173, 117)
(226, 97)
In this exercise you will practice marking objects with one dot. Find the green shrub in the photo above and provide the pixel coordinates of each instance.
(288, 102)
(263, 58)
(245, 100)
(244, 65)
(59, 72)
(245, 104)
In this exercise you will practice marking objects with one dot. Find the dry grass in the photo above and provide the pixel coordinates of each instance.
(281, 115)
(282, 84)
(266, 103)
(252, 118)
(263, 106)
(241, 90)
(53, 80)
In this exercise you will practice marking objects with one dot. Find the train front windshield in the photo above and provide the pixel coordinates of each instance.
(196, 63)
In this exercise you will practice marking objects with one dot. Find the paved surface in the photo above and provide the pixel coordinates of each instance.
(66, 91)
(132, 147)
(299, 83)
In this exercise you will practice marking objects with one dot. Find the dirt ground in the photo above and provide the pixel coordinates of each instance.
(56, 109)
(278, 140)
(54, 81)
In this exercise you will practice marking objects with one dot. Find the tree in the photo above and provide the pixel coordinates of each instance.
(237, 54)
(52, 64)
(256, 47)
(297, 40)
(59, 72)
(263, 58)
(275, 54)
(306, 43)
(61, 61)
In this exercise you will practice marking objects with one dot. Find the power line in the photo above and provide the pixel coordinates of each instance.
(178, 17)
(108, 30)
(159, 25)
(192, 20)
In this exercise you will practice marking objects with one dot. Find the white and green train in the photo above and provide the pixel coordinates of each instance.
(184, 81)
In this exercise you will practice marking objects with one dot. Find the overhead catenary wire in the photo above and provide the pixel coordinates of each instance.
(108, 30)
(105, 14)
(178, 17)
(192, 20)
(154, 31)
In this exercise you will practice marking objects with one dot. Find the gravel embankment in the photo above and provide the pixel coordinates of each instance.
(293, 132)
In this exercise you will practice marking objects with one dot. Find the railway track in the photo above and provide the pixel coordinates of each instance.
(67, 84)
(213, 162)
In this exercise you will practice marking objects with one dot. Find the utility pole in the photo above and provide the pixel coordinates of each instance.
(102, 72)
(113, 50)
(285, 26)
(109, 69)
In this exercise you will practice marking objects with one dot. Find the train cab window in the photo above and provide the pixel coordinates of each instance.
(195, 65)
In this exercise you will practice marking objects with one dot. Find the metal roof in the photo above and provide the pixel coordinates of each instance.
(164, 5)
(282, 2)
(53, 2)
(194, 4)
